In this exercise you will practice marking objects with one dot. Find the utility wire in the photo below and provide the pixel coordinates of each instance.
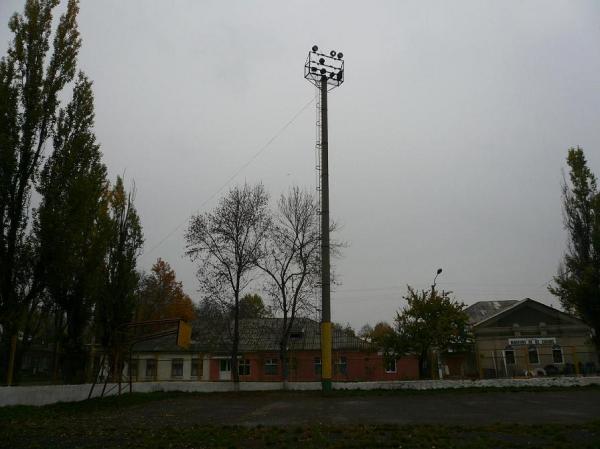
(232, 177)
(456, 284)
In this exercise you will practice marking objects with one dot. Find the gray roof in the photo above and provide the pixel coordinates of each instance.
(482, 310)
(263, 334)
(256, 334)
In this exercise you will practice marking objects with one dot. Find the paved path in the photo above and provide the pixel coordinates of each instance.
(310, 408)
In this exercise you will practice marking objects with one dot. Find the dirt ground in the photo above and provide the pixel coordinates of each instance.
(281, 409)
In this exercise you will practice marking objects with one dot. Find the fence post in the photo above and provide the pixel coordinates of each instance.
(526, 355)
(479, 368)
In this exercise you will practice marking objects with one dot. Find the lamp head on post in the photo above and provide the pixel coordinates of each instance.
(324, 67)
(439, 271)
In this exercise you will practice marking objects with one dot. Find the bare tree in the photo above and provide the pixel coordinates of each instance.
(226, 243)
(291, 262)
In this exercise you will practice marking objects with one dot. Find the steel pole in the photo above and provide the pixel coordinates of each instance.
(326, 340)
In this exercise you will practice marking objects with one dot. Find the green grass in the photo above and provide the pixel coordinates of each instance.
(64, 435)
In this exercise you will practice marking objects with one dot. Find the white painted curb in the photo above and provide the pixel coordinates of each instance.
(50, 394)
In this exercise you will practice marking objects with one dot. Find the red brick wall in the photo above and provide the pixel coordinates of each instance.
(360, 366)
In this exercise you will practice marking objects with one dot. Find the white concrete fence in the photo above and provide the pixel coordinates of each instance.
(50, 394)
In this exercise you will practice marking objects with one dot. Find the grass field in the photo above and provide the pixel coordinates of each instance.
(105, 424)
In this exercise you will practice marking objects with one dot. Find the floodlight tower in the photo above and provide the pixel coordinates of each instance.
(326, 72)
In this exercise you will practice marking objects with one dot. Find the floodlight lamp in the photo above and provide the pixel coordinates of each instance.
(323, 71)
(332, 53)
(340, 55)
(321, 60)
(331, 75)
(340, 75)
(315, 48)
(313, 69)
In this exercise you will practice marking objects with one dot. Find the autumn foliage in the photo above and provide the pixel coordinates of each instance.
(161, 296)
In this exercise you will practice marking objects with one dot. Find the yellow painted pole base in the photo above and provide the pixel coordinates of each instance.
(326, 356)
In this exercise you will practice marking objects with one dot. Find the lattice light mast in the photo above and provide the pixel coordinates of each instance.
(326, 72)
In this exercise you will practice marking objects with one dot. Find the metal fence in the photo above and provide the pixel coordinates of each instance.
(514, 362)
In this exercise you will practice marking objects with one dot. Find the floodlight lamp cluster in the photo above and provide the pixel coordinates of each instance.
(324, 68)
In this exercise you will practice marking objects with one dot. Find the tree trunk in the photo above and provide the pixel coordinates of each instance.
(283, 359)
(9, 334)
(58, 319)
(283, 346)
(75, 354)
(20, 350)
(11, 360)
(73, 363)
(235, 375)
(423, 366)
(55, 362)
(4, 351)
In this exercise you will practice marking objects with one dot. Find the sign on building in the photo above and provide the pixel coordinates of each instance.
(531, 341)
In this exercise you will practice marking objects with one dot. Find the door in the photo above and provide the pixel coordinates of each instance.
(225, 369)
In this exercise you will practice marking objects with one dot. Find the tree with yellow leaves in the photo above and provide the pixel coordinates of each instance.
(161, 295)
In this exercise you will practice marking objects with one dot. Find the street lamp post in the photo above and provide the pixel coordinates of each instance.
(439, 366)
(325, 71)
(439, 271)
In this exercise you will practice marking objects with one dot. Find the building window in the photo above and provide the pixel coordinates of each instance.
(244, 367)
(177, 368)
(197, 368)
(271, 366)
(296, 335)
(390, 366)
(557, 354)
(533, 355)
(509, 355)
(341, 366)
(225, 365)
(318, 366)
(150, 368)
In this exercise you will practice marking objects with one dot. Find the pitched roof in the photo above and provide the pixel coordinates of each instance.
(498, 308)
(482, 310)
(256, 334)
(263, 334)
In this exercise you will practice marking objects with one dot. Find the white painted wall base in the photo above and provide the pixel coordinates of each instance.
(50, 394)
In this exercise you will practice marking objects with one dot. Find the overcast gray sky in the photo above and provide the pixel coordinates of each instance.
(447, 138)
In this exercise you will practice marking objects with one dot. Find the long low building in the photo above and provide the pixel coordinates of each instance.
(208, 356)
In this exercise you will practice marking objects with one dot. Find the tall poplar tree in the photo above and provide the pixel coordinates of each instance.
(577, 284)
(116, 300)
(71, 224)
(31, 78)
